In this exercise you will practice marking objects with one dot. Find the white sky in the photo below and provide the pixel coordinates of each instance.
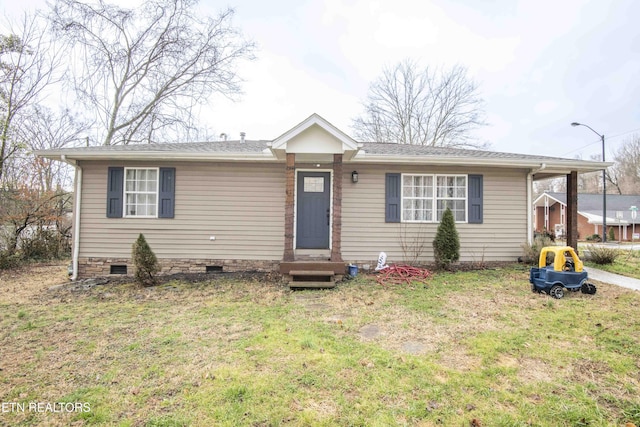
(540, 64)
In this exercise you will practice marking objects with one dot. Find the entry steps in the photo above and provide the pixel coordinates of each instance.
(313, 275)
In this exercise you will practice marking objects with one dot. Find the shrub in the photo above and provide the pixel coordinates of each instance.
(612, 234)
(545, 233)
(145, 262)
(446, 245)
(532, 251)
(602, 254)
(45, 244)
(594, 238)
(9, 260)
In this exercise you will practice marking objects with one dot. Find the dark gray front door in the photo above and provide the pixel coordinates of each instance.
(314, 205)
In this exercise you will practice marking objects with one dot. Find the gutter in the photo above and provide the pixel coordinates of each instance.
(76, 218)
(542, 167)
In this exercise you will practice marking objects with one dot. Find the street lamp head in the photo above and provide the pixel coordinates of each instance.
(575, 124)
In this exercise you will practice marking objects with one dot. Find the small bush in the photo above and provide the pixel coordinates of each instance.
(612, 234)
(532, 251)
(45, 244)
(602, 255)
(446, 244)
(594, 238)
(145, 262)
(9, 260)
(545, 234)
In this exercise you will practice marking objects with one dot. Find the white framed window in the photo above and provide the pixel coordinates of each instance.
(141, 192)
(426, 197)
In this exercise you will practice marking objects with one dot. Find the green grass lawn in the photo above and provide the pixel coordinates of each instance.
(466, 346)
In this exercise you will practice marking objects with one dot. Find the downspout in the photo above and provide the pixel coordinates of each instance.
(542, 167)
(76, 219)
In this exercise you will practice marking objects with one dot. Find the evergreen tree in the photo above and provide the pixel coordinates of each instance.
(145, 262)
(446, 245)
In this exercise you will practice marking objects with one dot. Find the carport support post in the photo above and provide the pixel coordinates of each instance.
(572, 208)
(288, 207)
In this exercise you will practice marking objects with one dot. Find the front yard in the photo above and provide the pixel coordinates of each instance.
(471, 348)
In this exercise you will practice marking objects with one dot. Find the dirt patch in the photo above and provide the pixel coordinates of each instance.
(371, 332)
(23, 284)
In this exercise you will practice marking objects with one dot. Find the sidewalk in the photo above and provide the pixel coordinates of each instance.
(613, 279)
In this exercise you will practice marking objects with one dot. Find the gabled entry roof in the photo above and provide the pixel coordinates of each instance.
(281, 142)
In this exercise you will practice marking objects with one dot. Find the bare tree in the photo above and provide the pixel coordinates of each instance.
(143, 70)
(28, 65)
(46, 129)
(430, 106)
(625, 173)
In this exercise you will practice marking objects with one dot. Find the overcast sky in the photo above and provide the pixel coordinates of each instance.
(540, 65)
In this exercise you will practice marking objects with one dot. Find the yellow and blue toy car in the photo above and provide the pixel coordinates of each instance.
(559, 268)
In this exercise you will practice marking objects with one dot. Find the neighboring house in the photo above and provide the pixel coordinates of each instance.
(550, 214)
(313, 192)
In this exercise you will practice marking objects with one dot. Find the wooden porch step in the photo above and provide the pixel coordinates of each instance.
(314, 285)
(338, 268)
(311, 273)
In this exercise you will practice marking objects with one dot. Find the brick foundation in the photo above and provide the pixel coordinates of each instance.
(100, 267)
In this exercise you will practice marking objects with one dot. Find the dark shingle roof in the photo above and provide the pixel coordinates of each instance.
(188, 147)
(592, 204)
(377, 148)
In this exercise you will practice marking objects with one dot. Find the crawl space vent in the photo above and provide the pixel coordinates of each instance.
(118, 269)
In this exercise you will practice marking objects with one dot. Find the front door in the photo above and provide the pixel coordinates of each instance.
(314, 210)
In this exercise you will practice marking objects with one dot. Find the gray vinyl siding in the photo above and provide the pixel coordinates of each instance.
(242, 205)
(499, 238)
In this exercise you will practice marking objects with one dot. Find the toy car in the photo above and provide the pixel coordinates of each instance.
(559, 268)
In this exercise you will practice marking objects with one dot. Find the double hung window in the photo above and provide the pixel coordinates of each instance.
(141, 192)
(426, 197)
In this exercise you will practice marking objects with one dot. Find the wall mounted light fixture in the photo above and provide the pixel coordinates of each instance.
(354, 176)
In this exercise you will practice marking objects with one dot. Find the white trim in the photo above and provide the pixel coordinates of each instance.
(434, 198)
(295, 205)
(76, 225)
(530, 204)
(124, 192)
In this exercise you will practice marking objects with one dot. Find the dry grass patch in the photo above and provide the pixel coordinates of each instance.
(228, 351)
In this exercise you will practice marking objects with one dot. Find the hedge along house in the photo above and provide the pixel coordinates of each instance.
(312, 194)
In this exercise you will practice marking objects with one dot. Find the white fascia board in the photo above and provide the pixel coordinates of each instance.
(159, 155)
(535, 202)
(552, 166)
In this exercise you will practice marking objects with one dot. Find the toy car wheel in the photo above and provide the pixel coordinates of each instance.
(556, 291)
(588, 288)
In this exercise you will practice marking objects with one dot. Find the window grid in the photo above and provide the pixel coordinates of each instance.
(141, 192)
(419, 202)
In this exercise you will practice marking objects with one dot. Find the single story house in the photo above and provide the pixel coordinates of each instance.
(550, 214)
(311, 193)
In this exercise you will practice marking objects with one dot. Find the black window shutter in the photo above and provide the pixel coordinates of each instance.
(475, 199)
(115, 186)
(166, 194)
(392, 197)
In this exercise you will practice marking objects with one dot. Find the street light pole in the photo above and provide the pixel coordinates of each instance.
(604, 183)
